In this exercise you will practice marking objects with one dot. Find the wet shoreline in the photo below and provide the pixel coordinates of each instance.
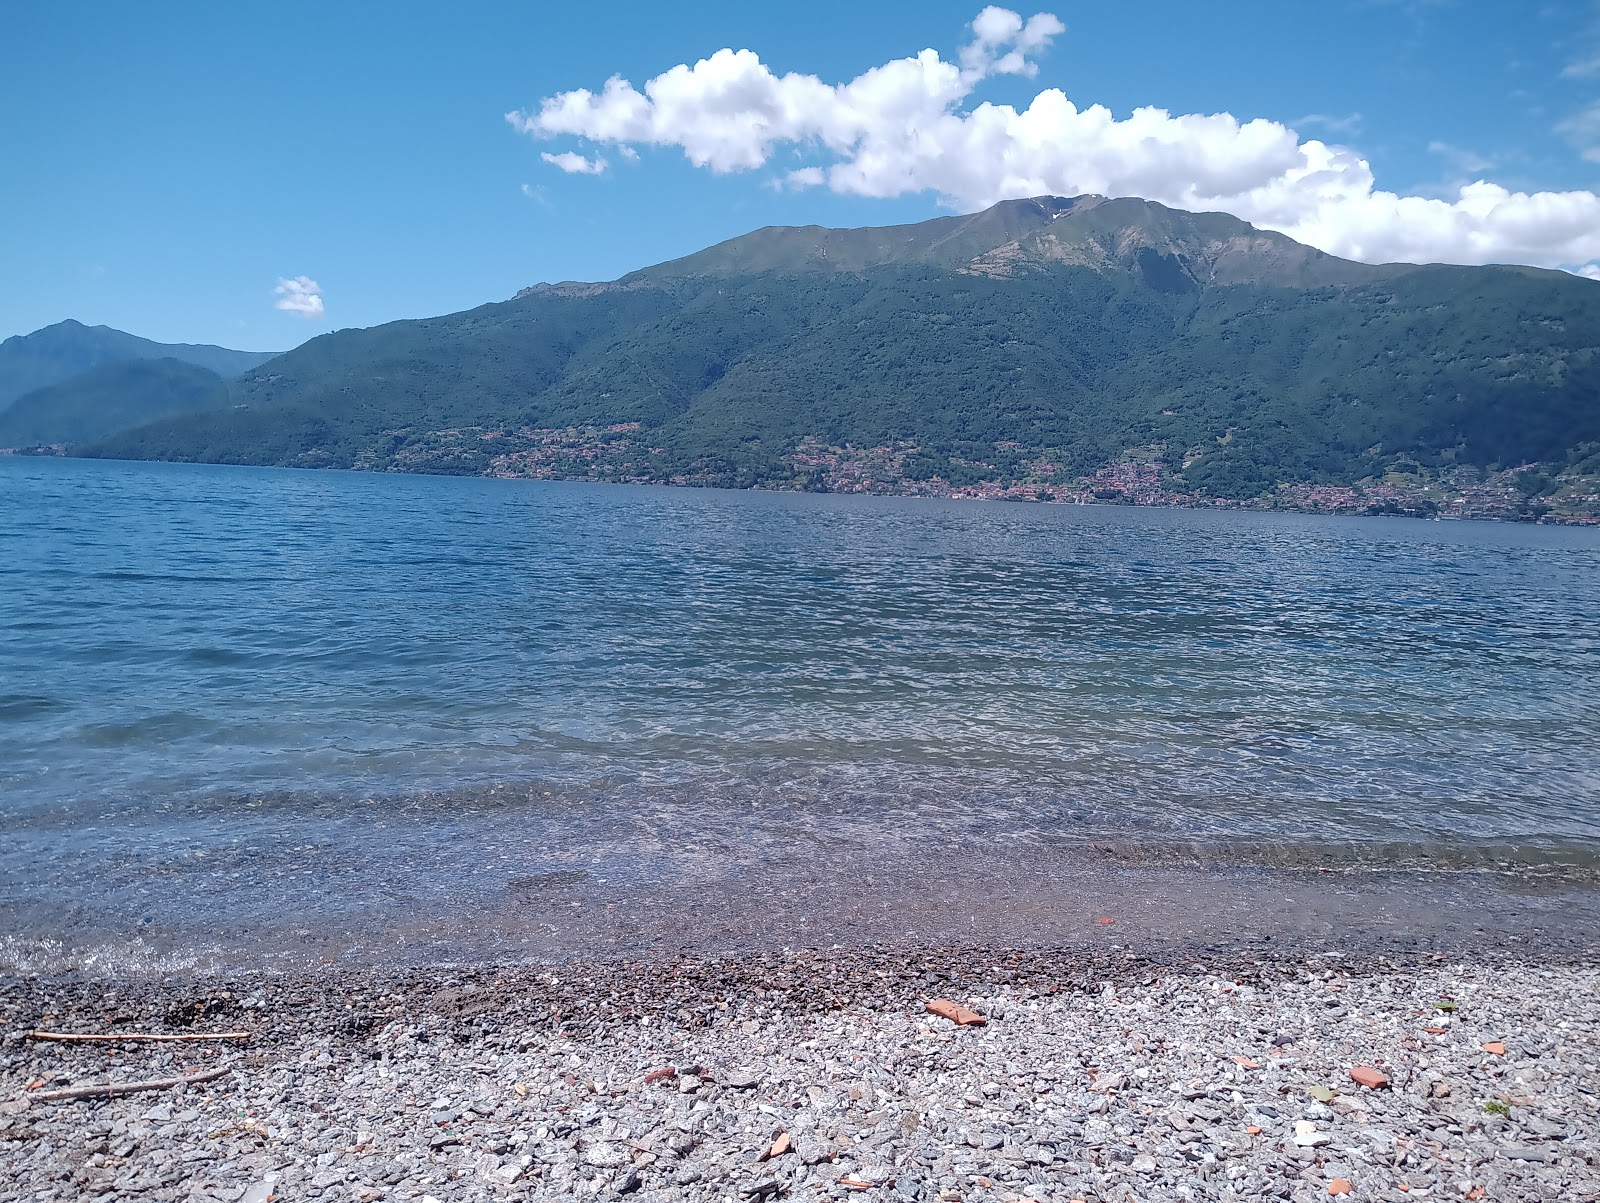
(1142, 901)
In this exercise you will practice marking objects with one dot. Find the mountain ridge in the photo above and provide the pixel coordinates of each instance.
(1034, 344)
(54, 354)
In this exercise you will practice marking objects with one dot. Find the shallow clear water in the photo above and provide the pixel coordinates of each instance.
(217, 679)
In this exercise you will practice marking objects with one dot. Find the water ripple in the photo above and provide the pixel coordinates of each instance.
(180, 643)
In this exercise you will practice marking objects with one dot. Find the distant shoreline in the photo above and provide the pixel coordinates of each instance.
(1029, 494)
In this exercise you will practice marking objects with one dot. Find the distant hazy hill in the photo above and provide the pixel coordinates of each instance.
(59, 352)
(1036, 340)
(110, 399)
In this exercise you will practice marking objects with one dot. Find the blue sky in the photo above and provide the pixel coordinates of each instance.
(167, 165)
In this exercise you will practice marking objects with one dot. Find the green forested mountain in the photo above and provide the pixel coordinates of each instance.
(110, 399)
(57, 353)
(1039, 340)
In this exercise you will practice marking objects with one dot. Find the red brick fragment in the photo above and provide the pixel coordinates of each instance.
(1496, 1047)
(957, 1014)
(660, 1075)
(1365, 1075)
(1340, 1186)
(778, 1148)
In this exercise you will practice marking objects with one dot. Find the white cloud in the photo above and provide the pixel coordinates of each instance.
(1582, 129)
(1585, 68)
(300, 295)
(907, 126)
(1347, 126)
(575, 164)
(1469, 161)
(1589, 271)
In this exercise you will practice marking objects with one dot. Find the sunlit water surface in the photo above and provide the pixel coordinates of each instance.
(238, 696)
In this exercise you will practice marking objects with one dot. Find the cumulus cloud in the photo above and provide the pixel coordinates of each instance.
(1589, 271)
(910, 126)
(575, 164)
(299, 295)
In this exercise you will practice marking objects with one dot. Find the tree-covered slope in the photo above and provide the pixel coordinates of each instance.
(110, 399)
(57, 353)
(1044, 337)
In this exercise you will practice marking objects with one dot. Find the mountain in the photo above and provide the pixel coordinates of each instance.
(1039, 343)
(1168, 247)
(110, 399)
(57, 353)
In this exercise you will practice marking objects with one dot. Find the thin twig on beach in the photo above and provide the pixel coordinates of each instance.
(112, 1089)
(112, 1037)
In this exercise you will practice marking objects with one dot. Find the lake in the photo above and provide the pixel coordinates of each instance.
(239, 703)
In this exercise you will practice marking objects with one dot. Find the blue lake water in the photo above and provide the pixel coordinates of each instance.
(216, 683)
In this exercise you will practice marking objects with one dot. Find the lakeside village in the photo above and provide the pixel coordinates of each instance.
(620, 454)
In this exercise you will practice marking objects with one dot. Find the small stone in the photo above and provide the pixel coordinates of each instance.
(1307, 1136)
(812, 1151)
(508, 1173)
(605, 1156)
(688, 1083)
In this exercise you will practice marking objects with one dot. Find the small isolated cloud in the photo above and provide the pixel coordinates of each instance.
(1584, 68)
(1347, 126)
(1589, 271)
(1582, 129)
(1463, 160)
(575, 164)
(300, 295)
(912, 125)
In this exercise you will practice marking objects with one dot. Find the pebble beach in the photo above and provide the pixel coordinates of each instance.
(1097, 1075)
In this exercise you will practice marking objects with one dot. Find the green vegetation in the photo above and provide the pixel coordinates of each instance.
(1040, 332)
(110, 399)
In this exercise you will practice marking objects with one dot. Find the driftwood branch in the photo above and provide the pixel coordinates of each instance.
(108, 1090)
(112, 1037)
